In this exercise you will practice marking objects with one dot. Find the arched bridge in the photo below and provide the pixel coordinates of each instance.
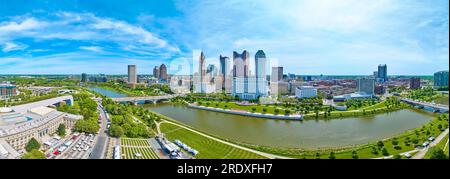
(437, 107)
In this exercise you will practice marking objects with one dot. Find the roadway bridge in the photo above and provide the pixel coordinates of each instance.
(144, 99)
(436, 107)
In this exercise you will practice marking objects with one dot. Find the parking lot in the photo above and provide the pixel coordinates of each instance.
(75, 146)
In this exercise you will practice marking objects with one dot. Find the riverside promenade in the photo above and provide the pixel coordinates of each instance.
(246, 113)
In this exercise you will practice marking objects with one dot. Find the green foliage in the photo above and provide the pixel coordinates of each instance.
(115, 131)
(397, 156)
(61, 130)
(437, 153)
(34, 154)
(32, 144)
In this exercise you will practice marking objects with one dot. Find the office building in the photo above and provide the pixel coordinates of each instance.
(240, 75)
(225, 73)
(277, 74)
(414, 83)
(382, 73)
(156, 72)
(84, 77)
(7, 90)
(305, 92)
(19, 124)
(366, 86)
(260, 76)
(132, 74)
(441, 79)
(163, 73)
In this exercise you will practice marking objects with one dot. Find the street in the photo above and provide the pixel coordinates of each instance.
(99, 148)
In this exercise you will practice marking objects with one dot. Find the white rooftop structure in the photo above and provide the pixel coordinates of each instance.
(5, 110)
(41, 110)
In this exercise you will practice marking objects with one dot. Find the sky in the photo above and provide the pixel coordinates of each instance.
(306, 37)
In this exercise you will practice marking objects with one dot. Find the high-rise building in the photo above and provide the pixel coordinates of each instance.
(441, 79)
(382, 73)
(7, 90)
(277, 74)
(163, 72)
(414, 83)
(156, 72)
(260, 64)
(132, 74)
(225, 73)
(240, 72)
(212, 70)
(84, 77)
(366, 85)
(375, 74)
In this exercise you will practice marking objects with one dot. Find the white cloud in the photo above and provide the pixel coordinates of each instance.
(92, 48)
(10, 46)
(83, 27)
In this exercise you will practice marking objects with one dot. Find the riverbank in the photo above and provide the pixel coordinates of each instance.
(245, 113)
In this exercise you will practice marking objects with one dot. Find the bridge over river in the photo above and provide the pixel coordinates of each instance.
(437, 107)
(144, 99)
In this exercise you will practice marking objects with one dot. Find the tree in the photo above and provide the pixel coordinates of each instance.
(276, 111)
(317, 155)
(61, 130)
(384, 151)
(115, 131)
(437, 153)
(331, 156)
(264, 110)
(32, 144)
(355, 155)
(397, 156)
(380, 144)
(253, 109)
(34, 154)
(374, 151)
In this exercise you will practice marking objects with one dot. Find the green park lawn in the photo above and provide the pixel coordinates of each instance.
(418, 135)
(208, 148)
(130, 147)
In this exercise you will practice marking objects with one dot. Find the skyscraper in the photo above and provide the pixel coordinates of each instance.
(277, 74)
(163, 72)
(225, 73)
(366, 85)
(240, 72)
(84, 77)
(202, 71)
(414, 83)
(382, 72)
(260, 64)
(132, 74)
(156, 72)
(441, 79)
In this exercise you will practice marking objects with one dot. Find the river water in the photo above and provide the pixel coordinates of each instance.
(307, 134)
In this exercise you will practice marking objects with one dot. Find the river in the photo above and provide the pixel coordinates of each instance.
(307, 134)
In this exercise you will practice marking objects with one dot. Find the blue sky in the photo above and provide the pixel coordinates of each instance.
(306, 37)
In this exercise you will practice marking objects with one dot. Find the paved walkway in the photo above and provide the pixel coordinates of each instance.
(421, 154)
(270, 156)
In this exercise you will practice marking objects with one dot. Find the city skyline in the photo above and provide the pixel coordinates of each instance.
(39, 38)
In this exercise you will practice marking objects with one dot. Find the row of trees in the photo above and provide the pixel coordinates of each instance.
(122, 122)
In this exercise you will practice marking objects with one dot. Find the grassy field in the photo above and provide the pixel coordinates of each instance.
(405, 142)
(441, 145)
(208, 148)
(130, 147)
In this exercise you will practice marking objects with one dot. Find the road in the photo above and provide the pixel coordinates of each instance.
(99, 148)
(421, 154)
(270, 156)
